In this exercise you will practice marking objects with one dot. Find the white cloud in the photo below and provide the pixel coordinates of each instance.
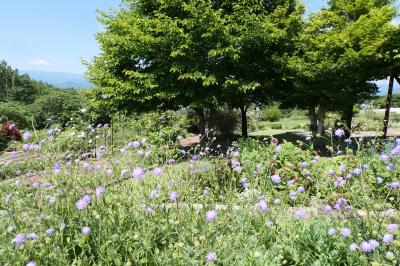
(39, 62)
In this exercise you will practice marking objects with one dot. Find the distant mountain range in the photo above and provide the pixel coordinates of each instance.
(60, 79)
(73, 80)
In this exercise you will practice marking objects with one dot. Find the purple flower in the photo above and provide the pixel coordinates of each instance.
(394, 184)
(392, 227)
(387, 238)
(328, 208)
(331, 172)
(299, 214)
(171, 161)
(353, 247)
(211, 257)
(154, 194)
(277, 201)
(356, 171)
(373, 243)
(26, 135)
(278, 149)
(291, 182)
(236, 154)
(173, 196)
(303, 164)
(50, 231)
(19, 239)
(346, 232)
(138, 173)
(245, 182)
(331, 231)
(85, 230)
(26, 147)
(276, 179)
(158, 171)
(348, 141)
(109, 171)
(384, 157)
(262, 205)
(300, 189)
(31, 263)
(339, 132)
(32, 236)
(211, 216)
(83, 202)
(205, 192)
(100, 191)
(149, 211)
(364, 106)
(123, 150)
(379, 180)
(50, 132)
(366, 247)
(293, 195)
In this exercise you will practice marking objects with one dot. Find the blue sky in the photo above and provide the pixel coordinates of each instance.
(54, 35)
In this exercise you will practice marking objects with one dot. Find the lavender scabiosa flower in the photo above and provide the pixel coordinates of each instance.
(277, 201)
(19, 239)
(32, 236)
(206, 192)
(291, 183)
(149, 211)
(262, 205)
(331, 231)
(394, 184)
(276, 179)
(353, 247)
(373, 243)
(348, 141)
(138, 173)
(83, 202)
(293, 195)
(211, 257)
(85, 230)
(392, 227)
(278, 149)
(100, 191)
(173, 196)
(50, 232)
(300, 189)
(384, 157)
(366, 247)
(331, 172)
(299, 214)
(387, 238)
(26, 135)
(140, 153)
(154, 194)
(236, 154)
(339, 132)
(379, 180)
(158, 171)
(346, 232)
(245, 182)
(211, 215)
(26, 147)
(31, 263)
(356, 171)
(109, 171)
(303, 164)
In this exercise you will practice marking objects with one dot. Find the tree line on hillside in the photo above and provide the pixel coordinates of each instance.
(204, 54)
(29, 103)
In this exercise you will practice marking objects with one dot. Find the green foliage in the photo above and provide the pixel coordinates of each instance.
(271, 114)
(55, 107)
(17, 113)
(4, 140)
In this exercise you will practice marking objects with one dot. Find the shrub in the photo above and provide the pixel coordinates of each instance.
(276, 125)
(4, 140)
(272, 114)
(16, 113)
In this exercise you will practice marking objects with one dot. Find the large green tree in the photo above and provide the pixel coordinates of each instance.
(201, 54)
(337, 57)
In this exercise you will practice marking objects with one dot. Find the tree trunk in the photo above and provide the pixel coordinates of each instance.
(321, 120)
(347, 119)
(388, 105)
(313, 120)
(202, 120)
(243, 111)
